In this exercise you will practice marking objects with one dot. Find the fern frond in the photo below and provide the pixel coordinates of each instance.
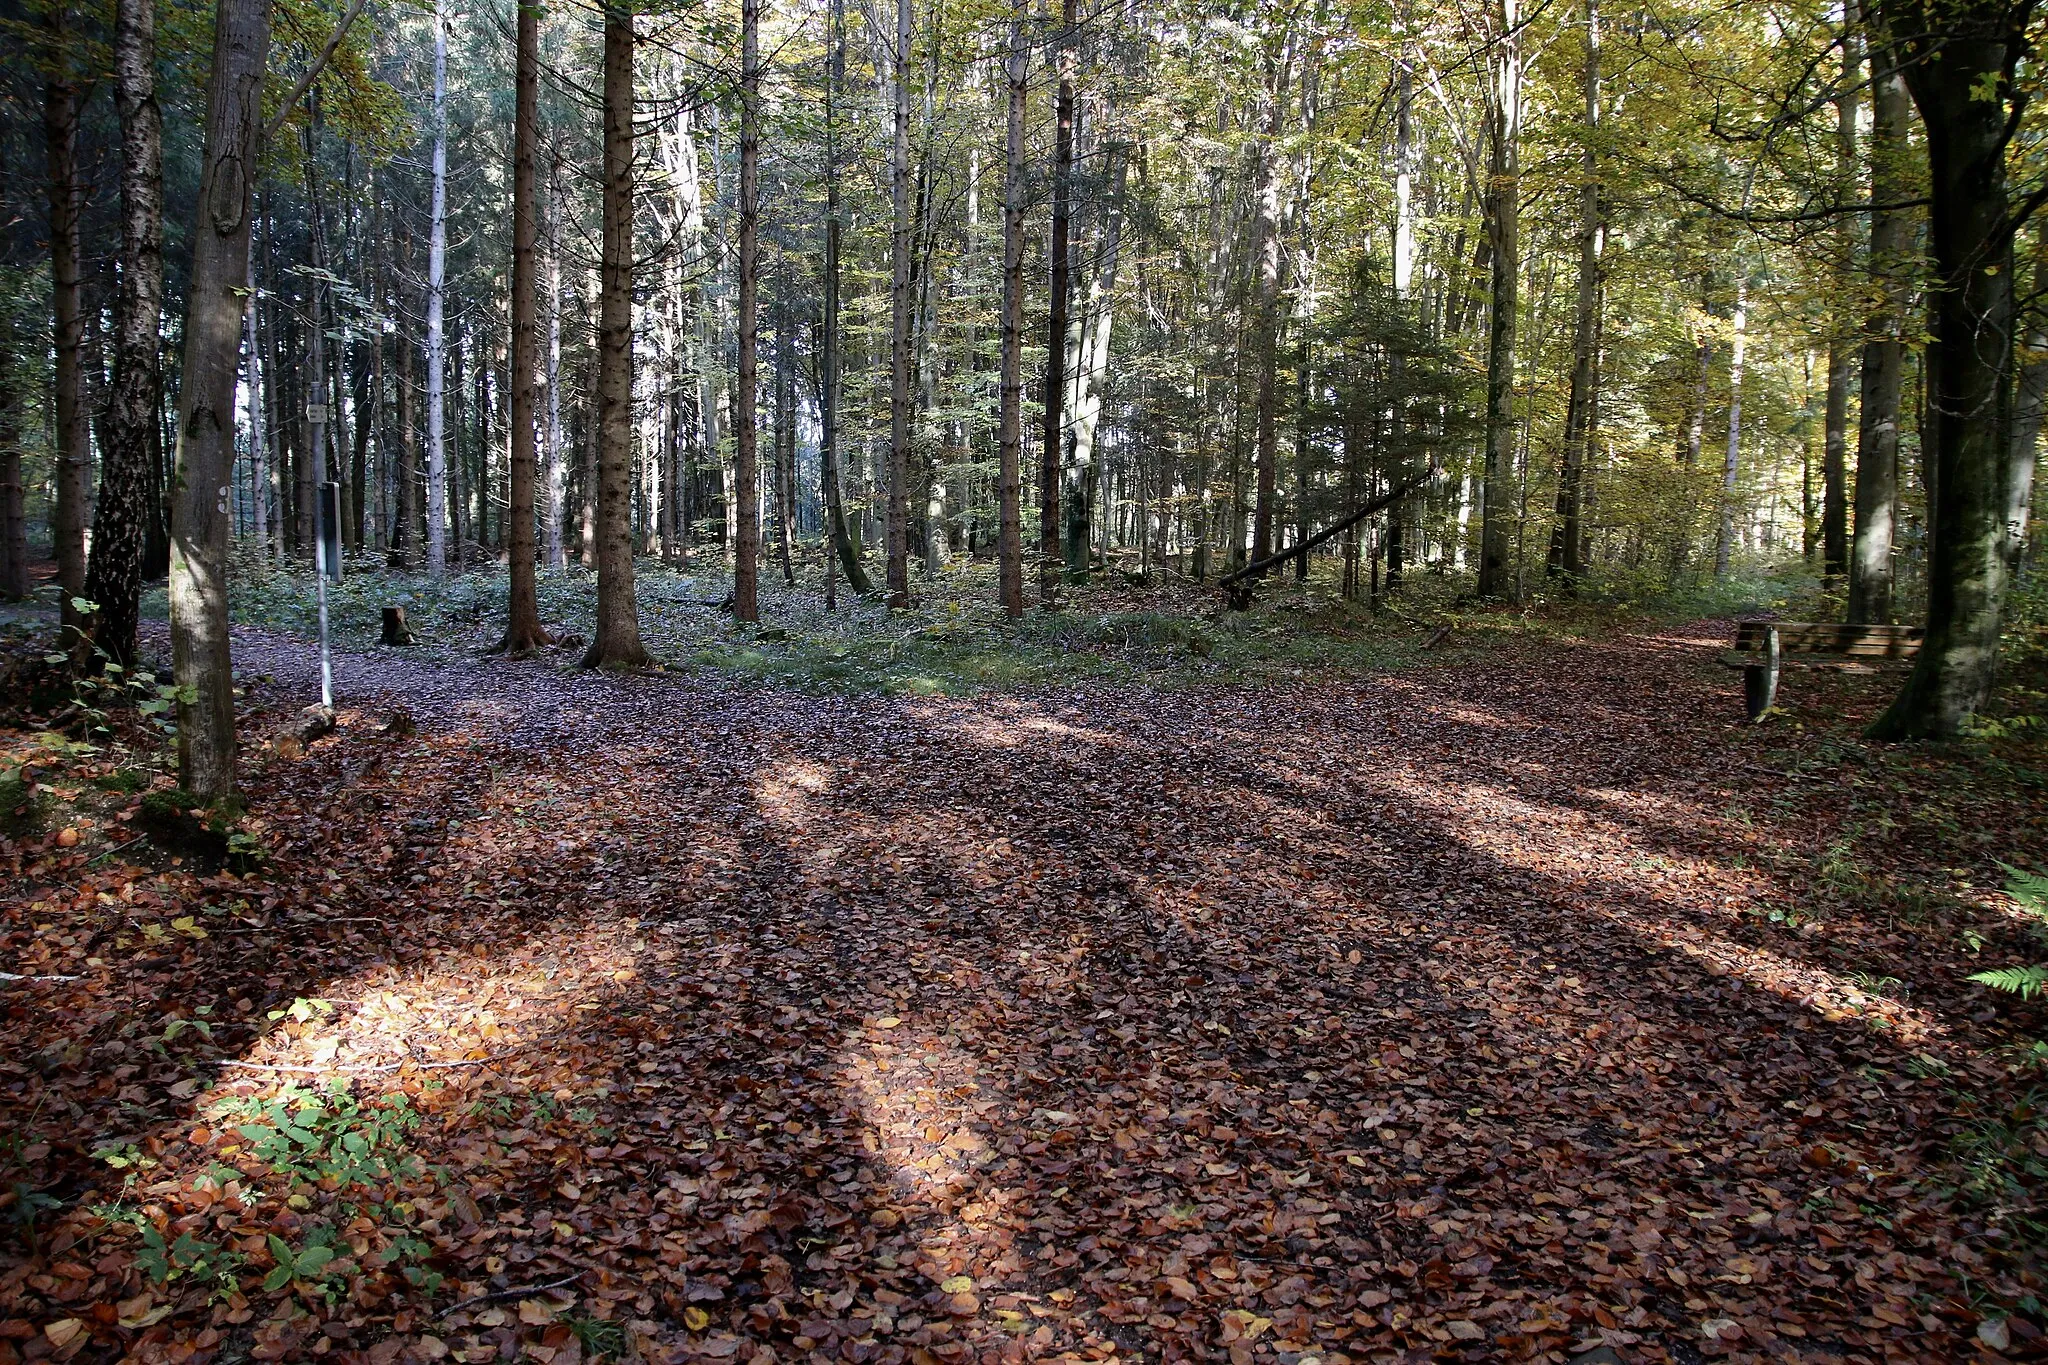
(2030, 889)
(2025, 982)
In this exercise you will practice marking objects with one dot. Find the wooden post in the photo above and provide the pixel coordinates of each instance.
(1760, 680)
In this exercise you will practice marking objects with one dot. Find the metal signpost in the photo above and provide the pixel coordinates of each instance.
(327, 564)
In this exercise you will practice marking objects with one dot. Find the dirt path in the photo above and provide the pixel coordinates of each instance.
(1412, 1018)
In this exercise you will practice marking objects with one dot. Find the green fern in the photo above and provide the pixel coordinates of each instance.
(2025, 982)
(2030, 889)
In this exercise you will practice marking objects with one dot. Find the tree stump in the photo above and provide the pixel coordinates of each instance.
(396, 632)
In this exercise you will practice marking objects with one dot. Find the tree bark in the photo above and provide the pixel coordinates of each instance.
(554, 480)
(1834, 503)
(898, 528)
(828, 401)
(1503, 226)
(1568, 539)
(1059, 296)
(67, 512)
(1731, 462)
(1010, 381)
(13, 511)
(206, 400)
(746, 424)
(523, 630)
(1969, 395)
(1884, 352)
(1266, 253)
(617, 638)
(113, 581)
(437, 337)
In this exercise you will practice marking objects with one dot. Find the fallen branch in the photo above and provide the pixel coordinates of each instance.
(17, 976)
(1380, 503)
(369, 1068)
(508, 1295)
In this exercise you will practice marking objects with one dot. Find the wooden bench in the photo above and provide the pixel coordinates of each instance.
(1762, 647)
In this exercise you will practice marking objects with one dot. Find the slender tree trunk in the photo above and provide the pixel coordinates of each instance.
(1731, 463)
(746, 424)
(256, 378)
(828, 399)
(13, 509)
(437, 337)
(1266, 255)
(785, 429)
(523, 630)
(1059, 299)
(1568, 539)
(617, 639)
(1010, 381)
(1503, 223)
(1834, 501)
(406, 529)
(2030, 402)
(113, 580)
(554, 480)
(60, 132)
(1884, 352)
(898, 528)
(206, 400)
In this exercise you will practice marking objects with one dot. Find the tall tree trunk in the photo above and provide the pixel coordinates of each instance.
(255, 376)
(1059, 297)
(437, 336)
(1010, 381)
(406, 525)
(1731, 463)
(617, 639)
(1266, 256)
(2030, 403)
(320, 407)
(523, 630)
(1503, 227)
(113, 581)
(554, 480)
(898, 528)
(204, 458)
(746, 425)
(828, 399)
(1884, 351)
(785, 428)
(60, 132)
(1834, 500)
(1568, 538)
(1969, 361)
(13, 509)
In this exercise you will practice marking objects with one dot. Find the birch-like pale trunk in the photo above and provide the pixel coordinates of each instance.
(1731, 462)
(746, 426)
(437, 292)
(897, 530)
(1503, 227)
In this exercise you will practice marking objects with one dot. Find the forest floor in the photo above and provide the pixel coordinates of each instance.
(1516, 1003)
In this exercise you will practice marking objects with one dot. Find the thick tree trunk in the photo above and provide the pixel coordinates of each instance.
(1503, 227)
(113, 581)
(1053, 433)
(437, 336)
(1567, 542)
(523, 630)
(617, 638)
(746, 424)
(1884, 352)
(206, 400)
(67, 512)
(1969, 394)
(1010, 378)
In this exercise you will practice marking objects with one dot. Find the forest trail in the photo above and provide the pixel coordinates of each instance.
(1423, 1013)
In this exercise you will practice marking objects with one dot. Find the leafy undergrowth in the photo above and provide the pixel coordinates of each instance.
(954, 641)
(1511, 1005)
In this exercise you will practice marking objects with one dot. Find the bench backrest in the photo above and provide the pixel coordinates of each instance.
(1821, 637)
